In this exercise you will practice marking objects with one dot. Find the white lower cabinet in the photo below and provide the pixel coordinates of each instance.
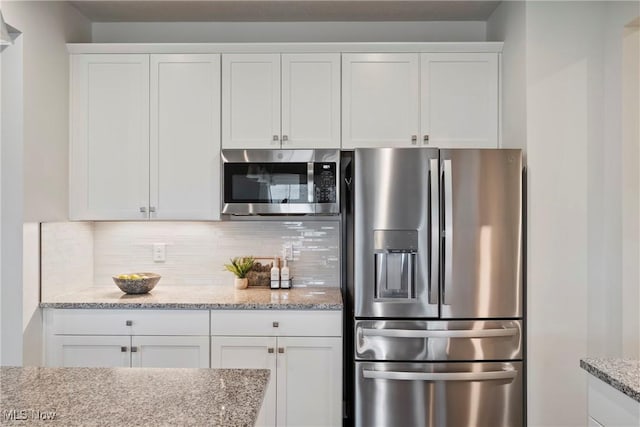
(169, 352)
(254, 353)
(302, 349)
(609, 407)
(89, 351)
(306, 371)
(309, 381)
(82, 338)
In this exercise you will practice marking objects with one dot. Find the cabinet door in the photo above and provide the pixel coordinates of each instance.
(251, 101)
(89, 351)
(311, 100)
(309, 381)
(380, 100)
(109, 138)
(459, 93)
(185, 137)
(169, 352)
(253, 353)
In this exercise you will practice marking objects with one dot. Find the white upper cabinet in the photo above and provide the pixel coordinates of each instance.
(380, 100)
(251, 100)
(145, 137)
(185, 137)
(280, 101)
(109, 146)
(459, 94)
(311, 100)
(444, 100)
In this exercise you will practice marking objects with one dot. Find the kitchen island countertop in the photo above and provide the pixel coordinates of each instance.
(621, 374)
(203, 297)
(131, 396)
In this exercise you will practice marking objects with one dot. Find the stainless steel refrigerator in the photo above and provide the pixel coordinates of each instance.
(435, 285)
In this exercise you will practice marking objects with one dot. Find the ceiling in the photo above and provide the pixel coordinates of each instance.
(284, 10)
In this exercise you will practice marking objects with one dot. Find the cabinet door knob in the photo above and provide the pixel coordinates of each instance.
(143, 209)
(129, 323)
(425, 139)
(276, 138)
(280, 349)
(134, 349)
(414, 139)
(123, 349)
(152, 209)
(285, 138)
(276, 324)
(270, 350)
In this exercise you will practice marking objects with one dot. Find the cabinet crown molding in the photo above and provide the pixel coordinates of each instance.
(418, 47)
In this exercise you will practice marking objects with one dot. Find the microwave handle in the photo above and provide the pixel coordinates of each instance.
(310, 182)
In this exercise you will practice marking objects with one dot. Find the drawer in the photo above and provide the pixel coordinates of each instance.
(277, 323)
(128, 322)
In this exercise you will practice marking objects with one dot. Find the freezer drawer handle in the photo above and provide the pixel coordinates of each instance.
(505, 374)
(472, 333)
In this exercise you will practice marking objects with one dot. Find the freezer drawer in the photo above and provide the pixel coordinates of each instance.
(439, 394)
(419, 340)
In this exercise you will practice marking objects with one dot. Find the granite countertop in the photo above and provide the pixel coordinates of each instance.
(204, 298)
(621, 374)
(131, 396)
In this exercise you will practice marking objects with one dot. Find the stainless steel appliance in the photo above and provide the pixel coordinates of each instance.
(435, 282)
(280, 182)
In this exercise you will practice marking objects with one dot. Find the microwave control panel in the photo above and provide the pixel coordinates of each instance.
(324, 180)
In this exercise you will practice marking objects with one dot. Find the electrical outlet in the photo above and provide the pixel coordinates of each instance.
(159, 252)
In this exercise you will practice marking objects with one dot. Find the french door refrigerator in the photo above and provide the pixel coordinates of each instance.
(435, 283)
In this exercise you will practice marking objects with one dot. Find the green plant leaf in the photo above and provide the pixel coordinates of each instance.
(240, 266)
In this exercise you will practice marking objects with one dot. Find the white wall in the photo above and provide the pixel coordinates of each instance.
(11, 172)
(41, 158)
(631, 192)
(573, 73)
(46, 26)
(31, 314)
(177, 32)
(508, 24)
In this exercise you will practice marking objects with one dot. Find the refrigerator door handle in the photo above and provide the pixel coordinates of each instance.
(468, 333)
(504, 374)
(435, 232)
(447, 189)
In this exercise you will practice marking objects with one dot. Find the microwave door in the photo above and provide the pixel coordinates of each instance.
(481, 268)
(395, 258)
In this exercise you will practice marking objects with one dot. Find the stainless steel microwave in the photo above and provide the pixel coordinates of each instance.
(280, 182)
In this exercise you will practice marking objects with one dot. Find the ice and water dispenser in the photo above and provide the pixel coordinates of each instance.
(396, 259)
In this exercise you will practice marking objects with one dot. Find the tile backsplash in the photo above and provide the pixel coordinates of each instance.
(195, 251)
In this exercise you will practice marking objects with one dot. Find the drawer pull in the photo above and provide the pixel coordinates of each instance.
(276, 324)
(280, 349)
(123, 349)
(270, 350)
(134, 349)
(129, 322)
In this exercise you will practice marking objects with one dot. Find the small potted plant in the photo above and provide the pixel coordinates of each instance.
(240, 266)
